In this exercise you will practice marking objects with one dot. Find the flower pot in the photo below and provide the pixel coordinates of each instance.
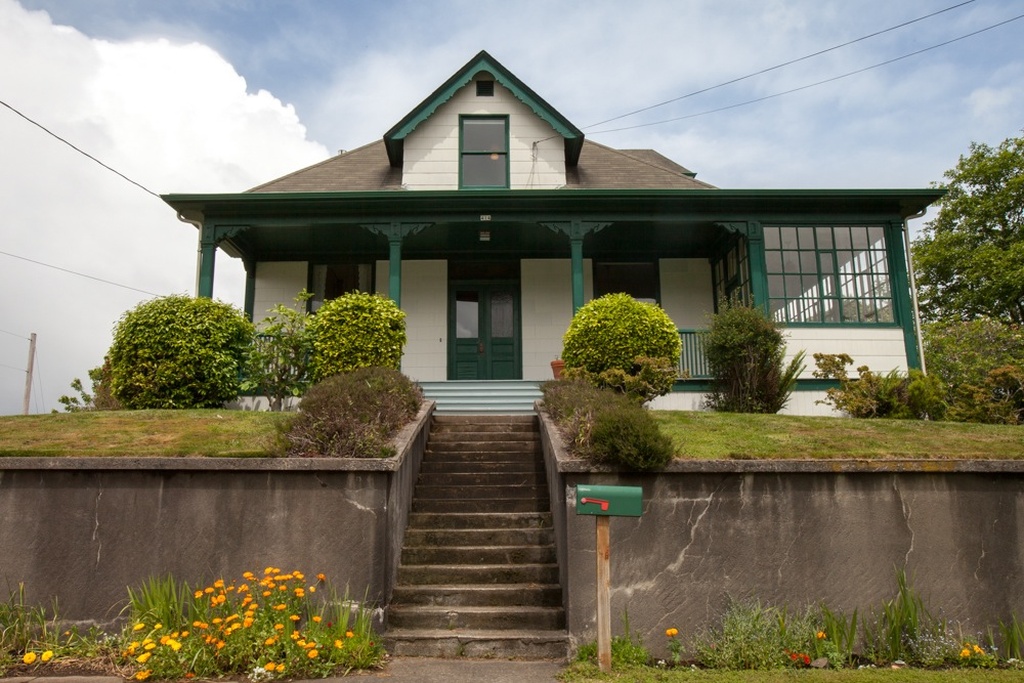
(557, 366)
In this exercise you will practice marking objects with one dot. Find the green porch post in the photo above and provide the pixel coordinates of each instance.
(250, 288)
(395, 232)
(901, 291)
(576, 230)
(758, 268)
(207, 258)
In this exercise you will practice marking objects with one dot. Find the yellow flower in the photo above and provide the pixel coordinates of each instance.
(268, 570)
(208, 590)
(317, 619)
(266, 594)
(249, 576)
(270, 666)
(299, 575)
(29, 658)
(312, 654)
(247, 622)
(47, 656)
(977, 650)
(822, 635)
(349, 634)
(672, 632)
(144, 657)
(174, 645)
(339, 643)
(312, 589)
(143, 675)
(300, 592)
(278, 627)
(281, 606)
(197, 594)
(219, 583)
(157, 627)
(321, 577)
(294, 617)
(149, 646)
(270, 641)
(966, 652)
(138, 627)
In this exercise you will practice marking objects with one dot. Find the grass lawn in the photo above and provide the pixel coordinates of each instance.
(721, 436)
(148, 433)
(587, 673)
(697, 435)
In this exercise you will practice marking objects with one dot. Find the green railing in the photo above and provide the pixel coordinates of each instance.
(692, 362)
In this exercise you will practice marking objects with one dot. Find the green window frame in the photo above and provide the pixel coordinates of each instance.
(829, 274)
(483, 152)
(730, 272)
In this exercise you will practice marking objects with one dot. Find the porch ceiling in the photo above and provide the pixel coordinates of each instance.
(675, 223)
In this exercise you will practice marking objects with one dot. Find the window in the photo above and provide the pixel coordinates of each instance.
(484, 152)
(828, 274)
(332, 280)
(731, 273)
(639, 280)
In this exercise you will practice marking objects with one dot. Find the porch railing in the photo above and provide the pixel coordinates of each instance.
(692, 362)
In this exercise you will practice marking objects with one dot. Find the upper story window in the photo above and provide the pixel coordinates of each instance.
(828, 274)
(483, 152)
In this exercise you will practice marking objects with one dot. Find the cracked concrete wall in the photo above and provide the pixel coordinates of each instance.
(799, 538)
(82, 537)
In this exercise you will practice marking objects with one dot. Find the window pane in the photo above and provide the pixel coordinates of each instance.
(806, 238)
(876, 237)
(773, 261)
(860, 238)
(467, 315)
(483, 135)
(842, 238)
(775, 286)
(501, 314)
(771, 238)
(791, 261)
(808, 262)
(824, 236)
(483, 170)
(788, 238)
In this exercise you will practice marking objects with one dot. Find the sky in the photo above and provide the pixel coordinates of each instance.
(199, 96)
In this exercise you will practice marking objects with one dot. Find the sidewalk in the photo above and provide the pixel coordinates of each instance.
(400, 670)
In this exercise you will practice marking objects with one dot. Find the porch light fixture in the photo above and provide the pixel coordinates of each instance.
(485, 235)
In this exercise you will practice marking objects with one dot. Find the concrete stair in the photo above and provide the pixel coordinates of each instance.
(478, 575)
(483, 397)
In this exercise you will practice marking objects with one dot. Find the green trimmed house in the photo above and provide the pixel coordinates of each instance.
(490, 219)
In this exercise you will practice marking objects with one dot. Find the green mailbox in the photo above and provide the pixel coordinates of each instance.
(609, 501)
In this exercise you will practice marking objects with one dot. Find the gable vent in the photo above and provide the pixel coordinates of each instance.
(485, 88)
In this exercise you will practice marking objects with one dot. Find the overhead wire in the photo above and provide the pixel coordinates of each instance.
(780, 65)
(811, 85)
(75, 272)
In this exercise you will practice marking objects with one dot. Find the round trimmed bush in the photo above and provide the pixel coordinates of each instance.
(357, 330)
(178, 352)
(616, 329)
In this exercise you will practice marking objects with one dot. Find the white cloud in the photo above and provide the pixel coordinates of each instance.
(175, 118)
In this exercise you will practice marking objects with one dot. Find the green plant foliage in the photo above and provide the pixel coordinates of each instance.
(648, 378)
(279, 360)
(357, 330)
(910, 396)
(178, 352)
(606, 427)
(627, 649)
(99, 399)
(354, 414)
(617, 334)
(745, 352)
(970, 259)
(998, 400)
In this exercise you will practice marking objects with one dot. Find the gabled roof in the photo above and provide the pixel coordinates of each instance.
(366, 169)
(394, 139)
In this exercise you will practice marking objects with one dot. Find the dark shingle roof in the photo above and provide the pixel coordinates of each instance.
(366, 169)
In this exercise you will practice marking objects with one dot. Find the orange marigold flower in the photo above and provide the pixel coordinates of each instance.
(312, 589)
(46, 656)
(157, 627)
(249, 575)
(247, 622)
(339, 643)
(280, 607)
(349, 634)
(821, 635)
(268, 570)
(279, 627)
(149, 646)
(139, 626)
(294, 617)
(299, 575)
(142, 675)
(270, 666)
(190, 675)
(300, 592)
(672, 632)
(208, 590)
(270, 641)
(217, 620)
(29, 658)
(321, 577)
(317, 619)
(219, 583)
(312, 654)
(144, 657)
(266, 594)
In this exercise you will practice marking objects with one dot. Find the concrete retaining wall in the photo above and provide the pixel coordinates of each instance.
(80, 531)
(796, 534)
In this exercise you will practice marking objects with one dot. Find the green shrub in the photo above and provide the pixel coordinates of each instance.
(911, 396)
(354, 415)
(99, 399)
(618, 342)
(279, 360)
(606, 427)
(745, 352)
(178, 352)
(357, 330)
(998, 400)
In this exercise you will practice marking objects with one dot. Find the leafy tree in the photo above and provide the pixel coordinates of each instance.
(357, 330)
(99, 399)
(620, 343)
(178, 352)
(745, 352)
(970, 259)
(279, 360)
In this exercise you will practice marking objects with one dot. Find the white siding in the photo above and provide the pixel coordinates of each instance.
(546, 313)
(880, 348)
(431, 156)
(277, 282)
(800, 403)
(686, 293)
(425, 302)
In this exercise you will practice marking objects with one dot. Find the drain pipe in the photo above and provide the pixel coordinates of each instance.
(913, 287)
(199, 248)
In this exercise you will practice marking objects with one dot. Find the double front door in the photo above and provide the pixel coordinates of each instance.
(484, 331)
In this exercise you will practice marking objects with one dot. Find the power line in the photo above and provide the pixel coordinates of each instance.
(812, 85)
(74, 272)
(79, 150)
(779, 66)
(13, 334)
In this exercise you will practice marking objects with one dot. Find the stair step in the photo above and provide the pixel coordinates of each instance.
(549, 595)
(471, 467)
(480, 492)
(530, 478)
(482, 448)
(449, 617)
(535, 519)
(477, 555)
(415, 538)
(500, 506)
(490, 644)
(420, 574)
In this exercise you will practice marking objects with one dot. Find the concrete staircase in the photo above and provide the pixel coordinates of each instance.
(483, 397)
(478, 575)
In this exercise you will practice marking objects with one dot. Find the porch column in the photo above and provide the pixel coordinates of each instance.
(250, 288)
(576, 230)
(395, 232)
(210, 235)
(900, 284)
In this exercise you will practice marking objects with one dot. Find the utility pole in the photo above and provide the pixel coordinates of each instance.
(28, 373)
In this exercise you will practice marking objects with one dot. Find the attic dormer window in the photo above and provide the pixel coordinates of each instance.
(483, 152)
(485, 88)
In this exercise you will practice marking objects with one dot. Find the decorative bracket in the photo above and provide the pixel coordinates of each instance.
(395, 231)
(576, 229)
(215, 234)
(749, 229)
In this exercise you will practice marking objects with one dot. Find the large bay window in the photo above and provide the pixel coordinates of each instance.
(828, 274)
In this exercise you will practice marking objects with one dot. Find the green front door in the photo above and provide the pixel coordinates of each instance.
(484, 331)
